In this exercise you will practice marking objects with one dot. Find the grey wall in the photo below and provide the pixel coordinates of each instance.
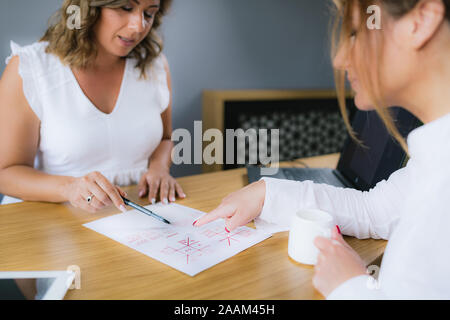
(216, 44)
(23, 21)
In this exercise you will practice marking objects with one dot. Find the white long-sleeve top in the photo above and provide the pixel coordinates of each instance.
(411, 210)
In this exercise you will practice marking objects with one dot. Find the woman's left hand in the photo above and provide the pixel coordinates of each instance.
(158, 178)
(337, 262)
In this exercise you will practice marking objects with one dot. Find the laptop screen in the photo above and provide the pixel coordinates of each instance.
(381, 155)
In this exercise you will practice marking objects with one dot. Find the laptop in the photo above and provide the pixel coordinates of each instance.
(359, 167)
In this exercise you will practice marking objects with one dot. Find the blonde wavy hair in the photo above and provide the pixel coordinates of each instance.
(342, 28)
(77, 47)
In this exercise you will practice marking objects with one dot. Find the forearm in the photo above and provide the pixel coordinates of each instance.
(162, 155)
(360, 214)
(29, 184)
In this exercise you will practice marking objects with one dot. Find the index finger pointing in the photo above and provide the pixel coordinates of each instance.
(220, 212)
(112, 192)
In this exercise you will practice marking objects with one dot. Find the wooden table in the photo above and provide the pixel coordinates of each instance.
(43, 236)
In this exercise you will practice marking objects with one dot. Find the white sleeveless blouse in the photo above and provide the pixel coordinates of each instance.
(76, 138)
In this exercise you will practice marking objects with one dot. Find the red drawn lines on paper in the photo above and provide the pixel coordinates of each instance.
(171, 235)
(225, 236)
(188, 247)
(136, 240)
(145, 236)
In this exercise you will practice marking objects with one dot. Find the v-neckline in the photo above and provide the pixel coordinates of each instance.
(117, 102)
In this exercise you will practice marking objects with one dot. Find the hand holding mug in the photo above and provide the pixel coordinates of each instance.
(337, 262)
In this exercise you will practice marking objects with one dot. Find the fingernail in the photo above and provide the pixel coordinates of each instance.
(122, 208)
(153, 200)
(227, 230)
(339, 230)
(165, 201)
(141, 193)
(194, 223)
(183, 195)
(172, 199)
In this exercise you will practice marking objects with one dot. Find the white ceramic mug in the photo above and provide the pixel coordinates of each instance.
(306, 226)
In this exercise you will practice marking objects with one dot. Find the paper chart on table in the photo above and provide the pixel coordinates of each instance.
(180, 245)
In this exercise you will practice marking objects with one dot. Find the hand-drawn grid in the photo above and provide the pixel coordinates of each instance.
(192, 249)
(227, 237)
(189, 248)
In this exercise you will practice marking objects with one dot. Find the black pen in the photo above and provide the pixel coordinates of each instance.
(144, 210)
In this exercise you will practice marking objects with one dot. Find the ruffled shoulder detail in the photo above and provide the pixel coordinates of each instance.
(36, 49)
(28, 56)
(15, 48)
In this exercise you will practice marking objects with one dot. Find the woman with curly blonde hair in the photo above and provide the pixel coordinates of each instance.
(88, 108)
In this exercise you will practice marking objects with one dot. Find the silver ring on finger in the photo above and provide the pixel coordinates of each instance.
(89, 199)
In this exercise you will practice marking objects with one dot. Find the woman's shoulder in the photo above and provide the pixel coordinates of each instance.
(161, 59)
(157, 65)
(161, 62)
(39, 71)
(156, 78)
(36, 48)
(33, 56)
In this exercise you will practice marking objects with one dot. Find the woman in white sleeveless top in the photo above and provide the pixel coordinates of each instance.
(88, 109)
